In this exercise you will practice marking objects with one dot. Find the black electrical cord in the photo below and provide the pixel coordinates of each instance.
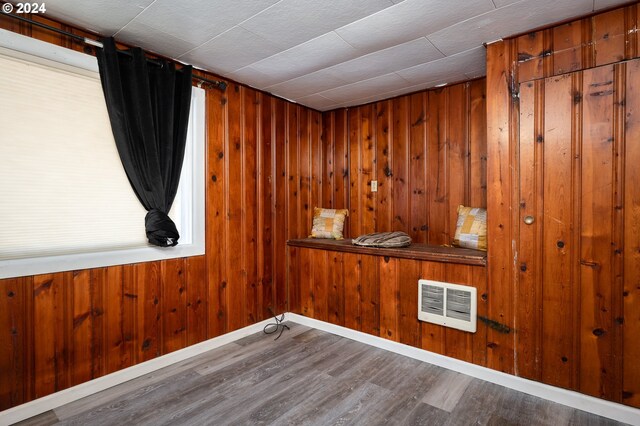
(274, 327)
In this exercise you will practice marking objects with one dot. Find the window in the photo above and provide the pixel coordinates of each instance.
(65, 201)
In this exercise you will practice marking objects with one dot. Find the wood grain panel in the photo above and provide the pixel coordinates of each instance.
(478, 144)
(82, 327)
(384, 164)
(389, 297)
(499, 190)
(528, 320)
(216, 211)
(558, 358)
(335, 296)
(595, 232)
(438, 148)
(400, 161)
(457, 162)
(418, 213)
(280, 219)
(631, 253)
(14, 294)
(197, 297)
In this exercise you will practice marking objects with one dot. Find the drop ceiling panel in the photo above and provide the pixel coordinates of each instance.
(230, 51)
(198, 21)
(321, 52)
(443, 68)
(503, 3)
(388, 60)
(102, 16)
(318, 102)
(409, 20)
(307, 84)
(138, 34)
(291, 22)
(604, 4)
(506, 21)
(383, 83)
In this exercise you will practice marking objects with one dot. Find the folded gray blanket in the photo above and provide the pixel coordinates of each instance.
(383, 239)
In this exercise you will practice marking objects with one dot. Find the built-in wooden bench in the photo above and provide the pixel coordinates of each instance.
(375, 290)
(418, 251)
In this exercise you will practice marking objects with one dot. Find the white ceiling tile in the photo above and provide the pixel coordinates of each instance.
(230, 51)
(503, 3)
(307, 84)
(321, 52)
(291, 22)
(251, 76)
(604, 4)
(383, 83)
(506, 21)
(199, 20)
(140, 35)
(445, 67)
(409, 20)
(388, 60)
(317, 101)
(105, 17)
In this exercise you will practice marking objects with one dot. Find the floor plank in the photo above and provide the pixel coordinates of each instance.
(309, 377)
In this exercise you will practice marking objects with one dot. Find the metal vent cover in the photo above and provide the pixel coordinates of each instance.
(450, 305)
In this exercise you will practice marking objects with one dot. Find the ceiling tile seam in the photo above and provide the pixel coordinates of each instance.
(134, 18)
(408, 82)
(360, 57)
(291, 48)
(239, 25)
(352, 84)
(436, 47)
(438, 60)
(477, 16)
(223, 33)
(336, 32)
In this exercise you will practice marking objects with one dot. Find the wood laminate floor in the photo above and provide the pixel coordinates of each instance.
(309, 377)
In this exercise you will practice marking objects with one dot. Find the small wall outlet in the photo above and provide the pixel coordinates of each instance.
(374, 186)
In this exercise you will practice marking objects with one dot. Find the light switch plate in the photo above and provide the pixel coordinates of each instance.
(374, 186)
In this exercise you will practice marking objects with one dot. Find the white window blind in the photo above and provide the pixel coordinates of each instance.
(63, 190)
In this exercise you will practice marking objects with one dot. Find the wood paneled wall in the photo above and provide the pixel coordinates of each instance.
(263, 174)
(379, 295)
(426, 150)
(563, 149)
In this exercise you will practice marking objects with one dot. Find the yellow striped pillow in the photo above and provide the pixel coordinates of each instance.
(471, 228)
(328, 223)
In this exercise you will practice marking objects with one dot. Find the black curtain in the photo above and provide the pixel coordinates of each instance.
(148, 106)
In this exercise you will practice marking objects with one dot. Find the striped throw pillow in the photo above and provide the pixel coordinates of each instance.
(328, 223)
(471, 228)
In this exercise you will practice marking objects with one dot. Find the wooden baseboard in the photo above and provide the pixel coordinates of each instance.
(600, 407)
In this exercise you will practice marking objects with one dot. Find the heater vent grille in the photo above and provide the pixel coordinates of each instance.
(447, 304)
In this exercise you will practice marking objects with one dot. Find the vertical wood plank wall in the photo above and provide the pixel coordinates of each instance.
(379, 295)
(426, 150)
(563, 148)
(263, 174)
